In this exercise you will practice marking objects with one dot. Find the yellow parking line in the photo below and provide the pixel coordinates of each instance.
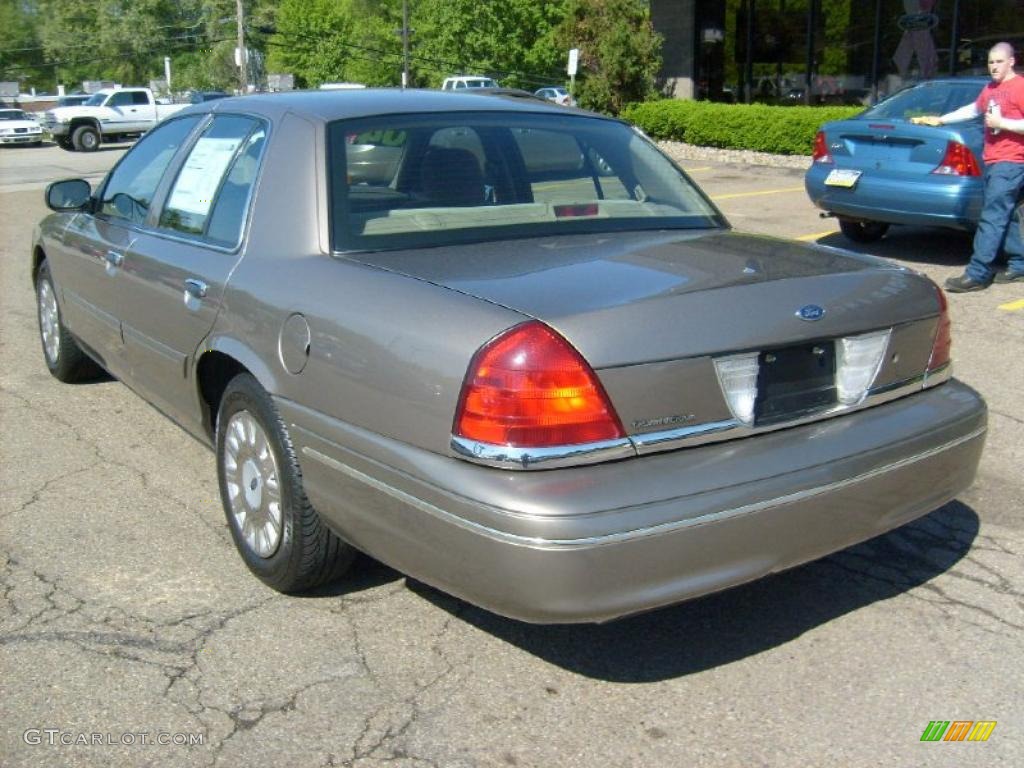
(716, 198)
(1013, 306)
(816, 235)
(703, 168)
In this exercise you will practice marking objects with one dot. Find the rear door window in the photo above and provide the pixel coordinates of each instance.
(211, 192)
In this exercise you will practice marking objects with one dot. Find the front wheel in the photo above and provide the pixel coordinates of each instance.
(85, 138)
(64, 358)
(277, 532)
(863, 231)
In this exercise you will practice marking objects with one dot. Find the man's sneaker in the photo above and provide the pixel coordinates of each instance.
(964, 284)
(1009, 277)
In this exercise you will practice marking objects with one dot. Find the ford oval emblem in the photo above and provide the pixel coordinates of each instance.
(810, 312)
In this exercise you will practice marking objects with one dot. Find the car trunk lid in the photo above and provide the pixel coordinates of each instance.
(892, 146)
(625, 299)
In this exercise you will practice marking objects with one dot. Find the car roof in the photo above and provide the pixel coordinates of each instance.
(327, 106)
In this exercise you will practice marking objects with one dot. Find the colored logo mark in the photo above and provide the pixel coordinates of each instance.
(810, 312)
(958, 730)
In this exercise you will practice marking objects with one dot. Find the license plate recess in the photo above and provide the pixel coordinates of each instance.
(795, 381)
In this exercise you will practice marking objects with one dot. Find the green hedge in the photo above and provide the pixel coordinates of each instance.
(779, 130)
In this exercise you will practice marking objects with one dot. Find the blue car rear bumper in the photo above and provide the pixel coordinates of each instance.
(934, 200)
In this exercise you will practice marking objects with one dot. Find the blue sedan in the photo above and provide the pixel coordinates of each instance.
(878, 169)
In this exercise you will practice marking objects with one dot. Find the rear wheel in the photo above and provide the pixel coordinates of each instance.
(85, 138)
(277, 532)
(863, 231)
(64, 358)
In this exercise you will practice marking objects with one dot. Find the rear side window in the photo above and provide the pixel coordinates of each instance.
(129, 190)
(211, 192)
(422, 180)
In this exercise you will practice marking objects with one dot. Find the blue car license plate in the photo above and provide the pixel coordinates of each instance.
(842, 177)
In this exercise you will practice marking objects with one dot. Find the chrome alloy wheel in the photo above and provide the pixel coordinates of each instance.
(49, 321)
(253, 484)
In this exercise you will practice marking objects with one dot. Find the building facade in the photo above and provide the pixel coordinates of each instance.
(825, 51)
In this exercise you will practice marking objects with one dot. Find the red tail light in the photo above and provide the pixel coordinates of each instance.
(943, 336)
(821, 153)
(958, 161)
(529, 388)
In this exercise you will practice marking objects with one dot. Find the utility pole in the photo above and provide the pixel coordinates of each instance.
(405, 43)
(405, 32)
(243, 79)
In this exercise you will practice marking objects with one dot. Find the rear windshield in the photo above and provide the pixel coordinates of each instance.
(925, 99)
(425, 180)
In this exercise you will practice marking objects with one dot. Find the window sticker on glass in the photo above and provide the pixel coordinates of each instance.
(198, 180)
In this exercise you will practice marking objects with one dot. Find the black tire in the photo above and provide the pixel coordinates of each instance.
(64, 358)
(85, 138)
(863, 231)
(64, 142)
(297, 552)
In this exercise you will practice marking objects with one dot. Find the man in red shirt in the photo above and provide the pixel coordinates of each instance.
(1002, 103)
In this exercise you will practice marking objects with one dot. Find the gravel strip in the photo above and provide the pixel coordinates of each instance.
(680, 152)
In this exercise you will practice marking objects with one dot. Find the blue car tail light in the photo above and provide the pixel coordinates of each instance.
(821, 153)
(958, 161)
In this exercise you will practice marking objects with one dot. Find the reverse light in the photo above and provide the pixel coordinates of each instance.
(958, 161)
(858, 359)
(940, 356)
(737, 375)
(530, 388)
(820, 153)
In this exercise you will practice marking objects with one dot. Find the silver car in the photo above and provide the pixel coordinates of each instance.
(509, 350)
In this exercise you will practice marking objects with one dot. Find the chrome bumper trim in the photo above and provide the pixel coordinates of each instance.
(713, 432)
(507, 457)
(639, 533)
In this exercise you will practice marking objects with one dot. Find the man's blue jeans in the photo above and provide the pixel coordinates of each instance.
(998, 227)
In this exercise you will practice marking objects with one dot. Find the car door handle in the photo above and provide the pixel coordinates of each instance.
(196, 288)
(114, 259)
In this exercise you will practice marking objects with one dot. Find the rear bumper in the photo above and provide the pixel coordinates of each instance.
(599, 542)
(900, 199)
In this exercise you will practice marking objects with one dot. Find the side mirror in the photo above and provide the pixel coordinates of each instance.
(68, 195)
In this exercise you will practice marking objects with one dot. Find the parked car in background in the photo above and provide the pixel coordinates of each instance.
(518, 356)
(72, 100)
(341, 86)
(557, 94)
(515, 93)
(460, 82)
(108, 115)
(879, 169)
(197, 97)
(17, 127)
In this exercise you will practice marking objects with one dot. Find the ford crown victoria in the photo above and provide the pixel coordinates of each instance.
(508, 349)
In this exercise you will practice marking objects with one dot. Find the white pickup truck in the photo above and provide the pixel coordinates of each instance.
(108, 115)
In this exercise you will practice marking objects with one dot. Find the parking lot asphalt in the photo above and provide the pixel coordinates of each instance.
(132, 634)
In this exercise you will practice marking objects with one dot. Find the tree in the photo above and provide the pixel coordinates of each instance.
(619, 51)
(512, 40)
(337, 40)
(122, 40)
(21, 55)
